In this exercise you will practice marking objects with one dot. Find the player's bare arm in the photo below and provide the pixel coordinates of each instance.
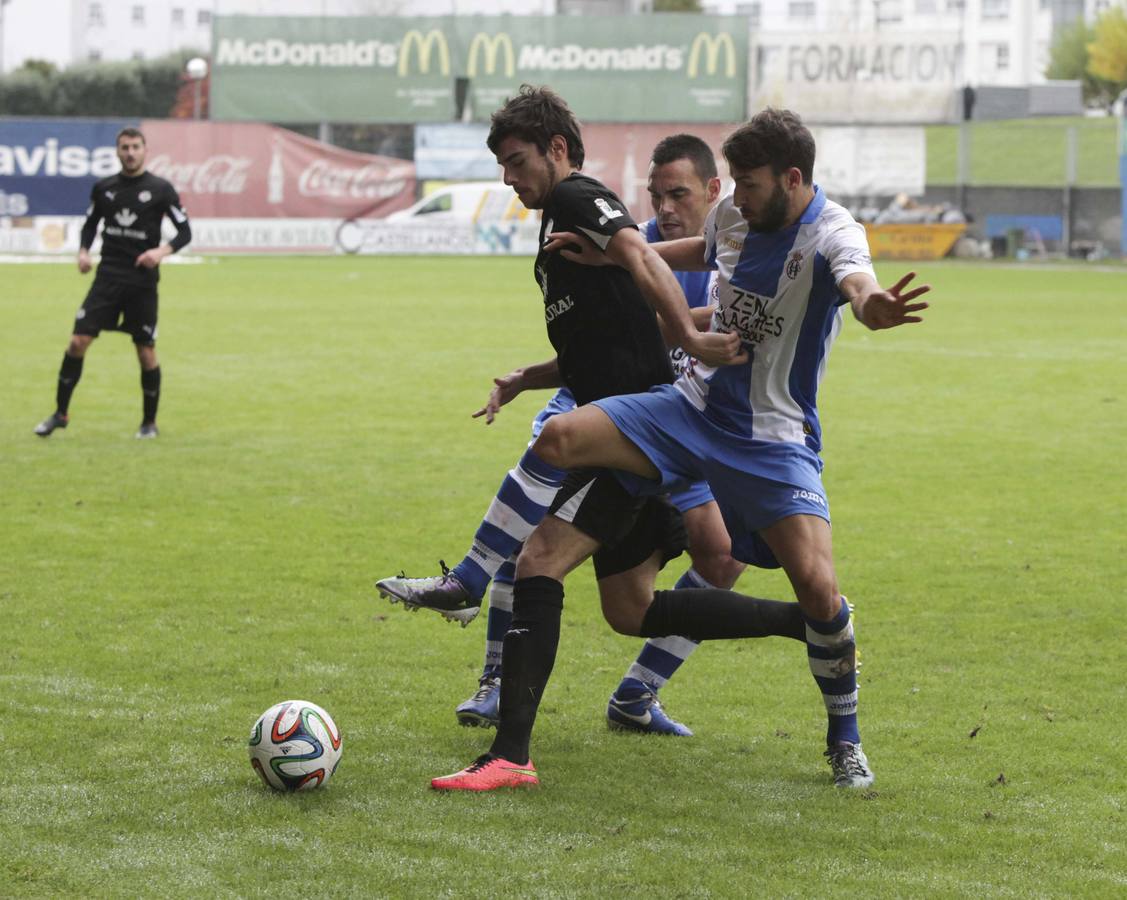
(683, 254)
(508, 387)
(877, 308)
(658, 285)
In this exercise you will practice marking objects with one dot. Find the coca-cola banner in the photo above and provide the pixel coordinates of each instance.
(253, 171)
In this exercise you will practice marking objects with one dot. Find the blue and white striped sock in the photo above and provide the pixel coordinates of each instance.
(661, 657)
(520, 504)
(499, 617)
(832, 654)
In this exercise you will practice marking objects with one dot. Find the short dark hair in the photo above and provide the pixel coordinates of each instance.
(690, 147)
(535, 115)
(129, 132)
(775, 138)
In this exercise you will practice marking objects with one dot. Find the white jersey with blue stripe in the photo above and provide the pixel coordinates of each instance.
(779, 292)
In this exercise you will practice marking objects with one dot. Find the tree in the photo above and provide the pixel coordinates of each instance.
(25, 92)
(1069, 61)
(44, 67)
(137, 89)
(1107, 53)
(682, 6)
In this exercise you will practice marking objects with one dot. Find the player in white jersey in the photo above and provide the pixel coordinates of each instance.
(787, 259)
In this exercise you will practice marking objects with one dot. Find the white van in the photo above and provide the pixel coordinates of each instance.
(468, 202)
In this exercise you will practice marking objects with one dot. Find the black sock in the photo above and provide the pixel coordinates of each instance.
(527, 661)
(712, 614)
(69, 373)
(150, 392)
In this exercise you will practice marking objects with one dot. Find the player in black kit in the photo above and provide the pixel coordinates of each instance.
(133, 205)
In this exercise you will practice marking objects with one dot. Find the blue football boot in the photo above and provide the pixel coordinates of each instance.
(481, 710)
(635, 707)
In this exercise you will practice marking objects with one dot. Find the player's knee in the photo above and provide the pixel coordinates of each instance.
(78, 344)
(624, 620)
(718, 568)
(555, 443)
(624, 610)
(541, 557)
(818, 595)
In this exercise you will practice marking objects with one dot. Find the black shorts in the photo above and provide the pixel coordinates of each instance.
(119, 306)
(630, 529)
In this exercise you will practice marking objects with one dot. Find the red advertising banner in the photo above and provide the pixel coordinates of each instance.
(619, 156)
(252, 171)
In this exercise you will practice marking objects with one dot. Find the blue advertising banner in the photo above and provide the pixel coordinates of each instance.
(48, 166)
(454, 151)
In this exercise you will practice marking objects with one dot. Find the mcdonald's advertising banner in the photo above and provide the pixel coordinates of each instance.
(654, 68)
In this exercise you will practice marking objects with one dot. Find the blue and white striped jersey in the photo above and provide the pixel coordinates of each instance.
(779, 292)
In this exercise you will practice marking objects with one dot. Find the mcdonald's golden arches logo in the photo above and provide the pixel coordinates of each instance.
(424, 45)
(711, 45)
(489, 48)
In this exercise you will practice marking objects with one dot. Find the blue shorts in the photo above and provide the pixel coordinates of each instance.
(562, 401)
(755, 483)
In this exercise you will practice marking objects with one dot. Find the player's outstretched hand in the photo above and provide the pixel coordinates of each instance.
(504, 390)
(716, 348)
(892, 307)
(576, 247)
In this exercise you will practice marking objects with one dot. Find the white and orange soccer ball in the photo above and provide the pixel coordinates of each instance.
(295, 746)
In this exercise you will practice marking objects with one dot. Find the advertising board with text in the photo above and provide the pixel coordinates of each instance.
(654, 68)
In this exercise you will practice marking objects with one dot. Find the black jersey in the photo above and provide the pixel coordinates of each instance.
(604, 332)
(133, 208)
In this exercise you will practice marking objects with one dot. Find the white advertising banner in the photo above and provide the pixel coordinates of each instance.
(862, 162)
(863, 77)
(486, 238)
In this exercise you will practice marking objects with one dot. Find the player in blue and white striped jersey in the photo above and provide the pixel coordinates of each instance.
(788, 259)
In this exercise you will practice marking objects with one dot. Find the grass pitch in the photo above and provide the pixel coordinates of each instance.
(315, 435)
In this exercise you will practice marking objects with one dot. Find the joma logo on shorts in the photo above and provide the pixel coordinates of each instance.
(809, 495)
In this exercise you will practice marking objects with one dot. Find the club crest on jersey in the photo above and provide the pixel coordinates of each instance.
(144, 196)
(608, 211)
(794, 265)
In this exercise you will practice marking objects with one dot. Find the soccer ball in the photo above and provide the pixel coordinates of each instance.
(295, 746)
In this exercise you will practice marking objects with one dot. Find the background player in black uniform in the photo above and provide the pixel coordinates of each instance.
(606, 338)
(133, 205)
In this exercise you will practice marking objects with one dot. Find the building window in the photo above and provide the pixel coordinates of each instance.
(138, 15)
(1002, 59)
(956, 5)
(95, 15)
(94, 55)
(800, 9)
(178, 16)
(926, 7)
(888, 12)
(203, 17)
(753, 11)
(138, 55)
(995, 9)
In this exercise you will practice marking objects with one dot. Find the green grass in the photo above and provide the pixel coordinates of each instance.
(1026, 153)
(158, 596)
